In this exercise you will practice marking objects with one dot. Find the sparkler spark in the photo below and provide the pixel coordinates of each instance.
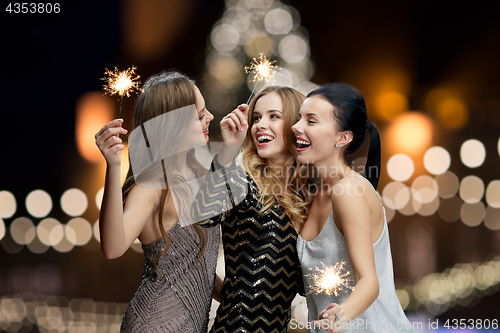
(261, 68)
(121, 83)
(331, 279)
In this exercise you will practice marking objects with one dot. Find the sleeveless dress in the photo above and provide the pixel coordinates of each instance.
(329, 247)
(262, 273)
(180, 300)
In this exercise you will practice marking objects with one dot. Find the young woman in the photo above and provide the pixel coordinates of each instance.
(347, 221)
(260, 224)
(179, 272)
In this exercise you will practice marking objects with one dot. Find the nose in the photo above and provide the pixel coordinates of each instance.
(210, 116)
(262, 123)
(297, 129)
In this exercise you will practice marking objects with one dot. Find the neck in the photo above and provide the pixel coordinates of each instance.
(332, 170)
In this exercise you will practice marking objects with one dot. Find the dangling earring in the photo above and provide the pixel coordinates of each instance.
(337, 145)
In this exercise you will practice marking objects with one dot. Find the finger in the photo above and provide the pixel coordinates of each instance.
(229, 123)
(332, 311)
(237, 121)
(110, 143)
(241, 116)
(109, 133)
(113, 123)
(116, 149)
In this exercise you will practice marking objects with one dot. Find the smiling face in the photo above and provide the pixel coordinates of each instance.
(316, 131)
(204, 116)
(268, 129)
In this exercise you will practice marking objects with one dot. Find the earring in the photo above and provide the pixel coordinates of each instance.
(337, 145)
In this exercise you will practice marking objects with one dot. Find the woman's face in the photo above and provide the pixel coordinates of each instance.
(204, 115)
(268, 129)
(315, 131)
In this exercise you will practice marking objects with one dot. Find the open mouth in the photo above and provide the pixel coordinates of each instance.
(264, 139)
(302, 144)
(205, 131)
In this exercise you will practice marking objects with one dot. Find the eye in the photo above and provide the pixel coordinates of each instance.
(275, 116)
(311, 122)
(201, 116)
(256, 119)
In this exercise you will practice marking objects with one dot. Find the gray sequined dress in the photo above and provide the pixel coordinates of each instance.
(330, 247)
(180, 300)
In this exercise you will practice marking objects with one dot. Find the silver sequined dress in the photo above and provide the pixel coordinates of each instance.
(328, 248)
(178, 302)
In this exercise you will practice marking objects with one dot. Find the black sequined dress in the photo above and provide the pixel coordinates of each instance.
(262, 272)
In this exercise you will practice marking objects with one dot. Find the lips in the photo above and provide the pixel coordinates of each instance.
(205, 131)
(263, 139)
(302, 144)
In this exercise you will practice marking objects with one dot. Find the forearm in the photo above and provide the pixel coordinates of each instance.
(112, 231)
(364, 294)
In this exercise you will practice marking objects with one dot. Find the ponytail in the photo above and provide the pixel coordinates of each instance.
(372, 167)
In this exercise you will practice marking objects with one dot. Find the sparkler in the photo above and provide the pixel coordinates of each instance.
(262, 69)
(121, 83)
(331, 279)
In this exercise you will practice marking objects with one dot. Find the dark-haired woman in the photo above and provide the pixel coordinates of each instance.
(179, 272)
(347, 220)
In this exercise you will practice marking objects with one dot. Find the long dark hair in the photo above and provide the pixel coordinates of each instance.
(349, 111)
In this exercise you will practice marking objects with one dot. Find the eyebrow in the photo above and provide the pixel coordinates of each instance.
(202, 110)
(272, 110)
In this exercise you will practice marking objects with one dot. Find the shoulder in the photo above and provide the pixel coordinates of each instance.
(350, 192)
(147, 194)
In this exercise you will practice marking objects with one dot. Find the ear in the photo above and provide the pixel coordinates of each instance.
(345, 138)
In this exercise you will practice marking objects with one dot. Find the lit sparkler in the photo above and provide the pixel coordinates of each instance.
(331, 279)
(262, 69)
(121, 83)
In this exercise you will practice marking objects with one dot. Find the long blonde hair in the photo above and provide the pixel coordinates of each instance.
(294, 197)
(163, 93)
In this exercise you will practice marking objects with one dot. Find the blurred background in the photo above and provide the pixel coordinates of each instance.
(430, 74)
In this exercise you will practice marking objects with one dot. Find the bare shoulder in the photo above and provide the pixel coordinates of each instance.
(146, 195)
(351, 187)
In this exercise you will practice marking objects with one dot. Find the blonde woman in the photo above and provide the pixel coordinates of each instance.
(179, 272)
(259, 229)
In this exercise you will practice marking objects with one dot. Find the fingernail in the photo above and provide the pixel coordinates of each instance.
(120, 120)
(325, 315)
(126, 131)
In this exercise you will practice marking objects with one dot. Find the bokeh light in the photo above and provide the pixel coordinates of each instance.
(448, 184)
(472, 153)
(437, 160)
(278, 22)
(429, 208)
(390, 104)
(498, 147)
(74, 202)
(39, 203)
(2, 229)
(93, 111)
(226, 69)
(8, 204)
(95, 230)
(492, 218)
(22, 231)
(36, 246)
(395, 195)
(225, 37)
(258, 43)
(472, 214)
(65, 245)
(449, 209)
(81, 231)
(410, 133)
(98, 198)
(450, 109)
(400, 167)
(424, 189)
(294, 48)
(471, 189)
(50, 231)
(493, 194)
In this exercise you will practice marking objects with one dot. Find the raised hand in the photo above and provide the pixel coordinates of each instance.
(109, 143)
(234, 126)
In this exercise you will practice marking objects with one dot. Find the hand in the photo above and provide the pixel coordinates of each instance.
(234, 126)
(332, 319)
(109, 143)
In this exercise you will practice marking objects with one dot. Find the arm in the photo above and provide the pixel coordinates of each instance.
(118, 227)
(217, 288)
(354, 215)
